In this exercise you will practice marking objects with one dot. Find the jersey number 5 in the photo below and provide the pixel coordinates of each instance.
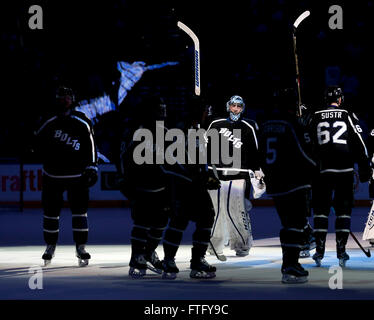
(323, 132)
(271, 152)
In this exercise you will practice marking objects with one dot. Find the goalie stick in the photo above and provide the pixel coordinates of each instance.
(303, 16)
(369, 231)
(195, 40)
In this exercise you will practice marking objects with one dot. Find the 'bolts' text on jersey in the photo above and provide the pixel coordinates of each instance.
(64, 137)
(228, 134)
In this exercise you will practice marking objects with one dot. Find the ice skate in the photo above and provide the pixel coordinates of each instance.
(343, 258)
(82, 255)
(170, 269)
(138, 266)
(201, 269)
(294, 274)
(317, 257)
(304, 254)
(153, 262)
(49, 253)
(242, 253)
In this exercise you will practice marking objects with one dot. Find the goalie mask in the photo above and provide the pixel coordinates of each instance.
(235, 101)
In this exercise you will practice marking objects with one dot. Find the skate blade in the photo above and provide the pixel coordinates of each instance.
(153, 269)
(287, 278)
(137, 273)
(82, 262)
(202, 275)
(169, 275)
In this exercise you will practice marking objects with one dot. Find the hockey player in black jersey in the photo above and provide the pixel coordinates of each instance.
(288, 167)
(67, 148)
(232, 221)
(145, 186)
(337, 146)
(189, 184)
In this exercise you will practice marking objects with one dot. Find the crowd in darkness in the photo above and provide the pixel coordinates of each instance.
(246, 49)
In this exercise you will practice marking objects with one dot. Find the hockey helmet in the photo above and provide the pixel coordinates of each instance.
(63, 91)
(333, 93)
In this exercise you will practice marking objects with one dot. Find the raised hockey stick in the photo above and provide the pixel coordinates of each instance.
(304, 15)
(367, 253)
(195, 40)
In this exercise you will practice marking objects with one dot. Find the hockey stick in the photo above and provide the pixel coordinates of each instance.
(197, 55)
(367, 253)
(304, 15)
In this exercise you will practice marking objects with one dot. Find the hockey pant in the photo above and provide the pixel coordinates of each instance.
(333, 190)
(200, 204)
(293, 209)
(52, 202)
(150, 215)
(232, 222)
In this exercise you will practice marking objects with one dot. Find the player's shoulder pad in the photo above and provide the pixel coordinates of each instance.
(250, 122)
(82, 116)
(217, 122)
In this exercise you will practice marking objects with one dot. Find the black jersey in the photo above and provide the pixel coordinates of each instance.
(285, 156)
(66, 144)
(337, 140)
(240, 138)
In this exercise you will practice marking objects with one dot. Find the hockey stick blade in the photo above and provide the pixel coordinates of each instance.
(367, 253)
(196, 42)
(220, 258)
(301, 17)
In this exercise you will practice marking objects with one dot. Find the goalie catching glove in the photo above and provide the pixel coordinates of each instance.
(90, 176)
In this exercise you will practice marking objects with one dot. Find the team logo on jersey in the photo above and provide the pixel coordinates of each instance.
(230, 137)
(64, 137)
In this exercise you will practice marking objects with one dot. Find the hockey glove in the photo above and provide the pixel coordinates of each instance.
(90, 176)
(213, 183)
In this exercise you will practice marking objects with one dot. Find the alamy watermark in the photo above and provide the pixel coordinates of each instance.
(36, 280)
(173, 146)
(336, 280)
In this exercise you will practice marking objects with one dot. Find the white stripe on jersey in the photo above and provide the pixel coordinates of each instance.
(62, 177)
(355, 130)
(45, 123)
(205, 134)
(253, 130)
(91, 137)
(337, 170)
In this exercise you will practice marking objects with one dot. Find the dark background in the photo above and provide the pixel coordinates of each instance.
(246, 49)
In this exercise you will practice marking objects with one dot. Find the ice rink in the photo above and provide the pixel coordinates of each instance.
(256, 276)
